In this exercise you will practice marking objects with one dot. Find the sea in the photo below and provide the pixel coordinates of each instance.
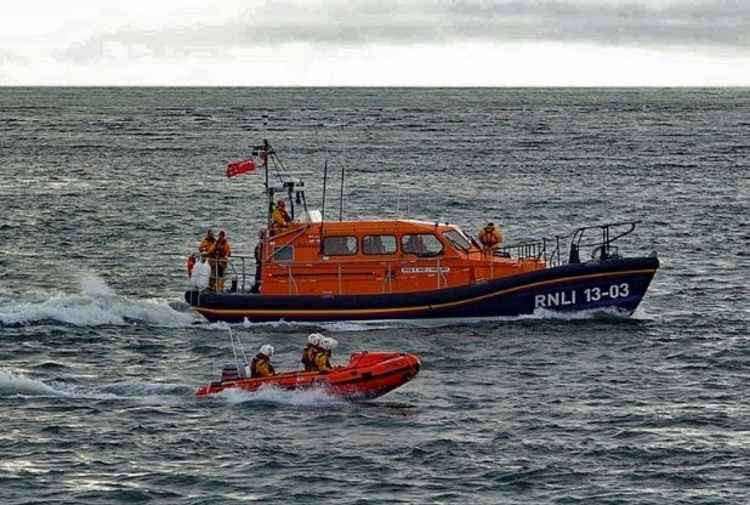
(106, 191)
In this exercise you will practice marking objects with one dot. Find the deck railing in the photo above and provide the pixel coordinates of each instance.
(546, 249)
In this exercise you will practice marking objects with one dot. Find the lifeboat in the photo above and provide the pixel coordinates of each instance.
(313, 269)
(367, 375)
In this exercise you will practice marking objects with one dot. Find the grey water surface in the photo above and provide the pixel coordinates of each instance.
(105, 191)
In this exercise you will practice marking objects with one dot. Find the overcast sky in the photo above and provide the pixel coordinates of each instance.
(379, 43)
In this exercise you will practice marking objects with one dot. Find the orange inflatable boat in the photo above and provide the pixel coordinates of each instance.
(367, 375)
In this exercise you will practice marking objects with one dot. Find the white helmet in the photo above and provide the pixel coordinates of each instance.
(267, 350)
(315, 338)
(328, 343)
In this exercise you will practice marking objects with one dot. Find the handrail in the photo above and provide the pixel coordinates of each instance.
(602, 246)
(534, 250)
(540, 249)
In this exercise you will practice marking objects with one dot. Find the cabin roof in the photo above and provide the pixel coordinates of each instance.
(380, 226)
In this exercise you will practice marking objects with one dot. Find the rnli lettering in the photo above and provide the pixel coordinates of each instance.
(557, 299)
(425, 270)
(594, 294)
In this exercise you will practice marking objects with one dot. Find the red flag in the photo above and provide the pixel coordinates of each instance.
(240, 167)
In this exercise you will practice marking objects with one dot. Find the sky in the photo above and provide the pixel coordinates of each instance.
(375, 43)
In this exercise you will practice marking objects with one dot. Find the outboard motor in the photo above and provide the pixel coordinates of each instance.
(232, 371)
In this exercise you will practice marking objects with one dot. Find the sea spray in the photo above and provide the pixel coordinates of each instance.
(96, 305)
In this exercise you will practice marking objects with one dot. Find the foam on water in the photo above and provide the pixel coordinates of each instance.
(17, 384)
(384, 324)
(602, 313)
(96, 304)
(300, 398)
(12, 383)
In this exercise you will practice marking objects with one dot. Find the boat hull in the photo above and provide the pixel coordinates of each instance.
(366, 376)
(618, 284)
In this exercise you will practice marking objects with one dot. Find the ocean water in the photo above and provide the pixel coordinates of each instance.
(105, 191)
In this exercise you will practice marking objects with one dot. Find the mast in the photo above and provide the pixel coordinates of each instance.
(264, 154)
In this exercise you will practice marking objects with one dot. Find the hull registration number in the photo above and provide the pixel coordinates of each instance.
(588, 295)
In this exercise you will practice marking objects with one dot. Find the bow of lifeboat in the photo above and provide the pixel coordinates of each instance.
(367, 375)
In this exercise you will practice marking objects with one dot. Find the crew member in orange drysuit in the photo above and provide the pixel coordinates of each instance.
(280, 218)
(218, 258)
(261, 364)
(490, 237)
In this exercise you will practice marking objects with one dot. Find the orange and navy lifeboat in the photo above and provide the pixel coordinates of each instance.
(313, 269)
(367, 375)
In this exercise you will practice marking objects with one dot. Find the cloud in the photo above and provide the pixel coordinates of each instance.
(377, 42)
(337, 23)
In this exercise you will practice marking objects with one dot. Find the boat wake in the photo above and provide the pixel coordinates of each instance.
(15, 384)
(95, 304)
(300, 398)
(606, 313)
(18, 384)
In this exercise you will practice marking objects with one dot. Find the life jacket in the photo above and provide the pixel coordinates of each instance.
(322, 361)
(206, 244)
(220, 249)
(190, 263)
(489, 236)
(280, 220)
(308, 355)
(260, 360)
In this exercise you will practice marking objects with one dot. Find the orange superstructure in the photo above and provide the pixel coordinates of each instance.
(367, 257)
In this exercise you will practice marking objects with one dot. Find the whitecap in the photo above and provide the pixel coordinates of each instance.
(96, 304)
(316, 397)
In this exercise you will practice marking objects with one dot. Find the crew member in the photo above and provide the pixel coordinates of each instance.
(280, 218)
(258, 261)
(490, 237)
(218, 258)
(322, 359)
(206, 243)
(311, 349)
(261, 364)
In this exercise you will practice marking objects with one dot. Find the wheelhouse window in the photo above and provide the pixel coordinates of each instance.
(421, 244)
(283, 254)
(339, 246)
(457, 240)
(379, 244)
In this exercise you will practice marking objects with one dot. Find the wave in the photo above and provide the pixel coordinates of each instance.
(12, 383)
(18, 384)
(96, 304)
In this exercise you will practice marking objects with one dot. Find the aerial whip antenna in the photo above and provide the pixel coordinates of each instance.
(341, 194)
(323, 209)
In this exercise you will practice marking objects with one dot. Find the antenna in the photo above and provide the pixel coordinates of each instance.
(323, 210)
(341, 194)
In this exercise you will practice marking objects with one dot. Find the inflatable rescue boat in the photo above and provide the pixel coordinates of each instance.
(313, 269)
(367, 375)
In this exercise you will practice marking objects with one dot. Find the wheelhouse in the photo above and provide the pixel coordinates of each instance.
(366, 257)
